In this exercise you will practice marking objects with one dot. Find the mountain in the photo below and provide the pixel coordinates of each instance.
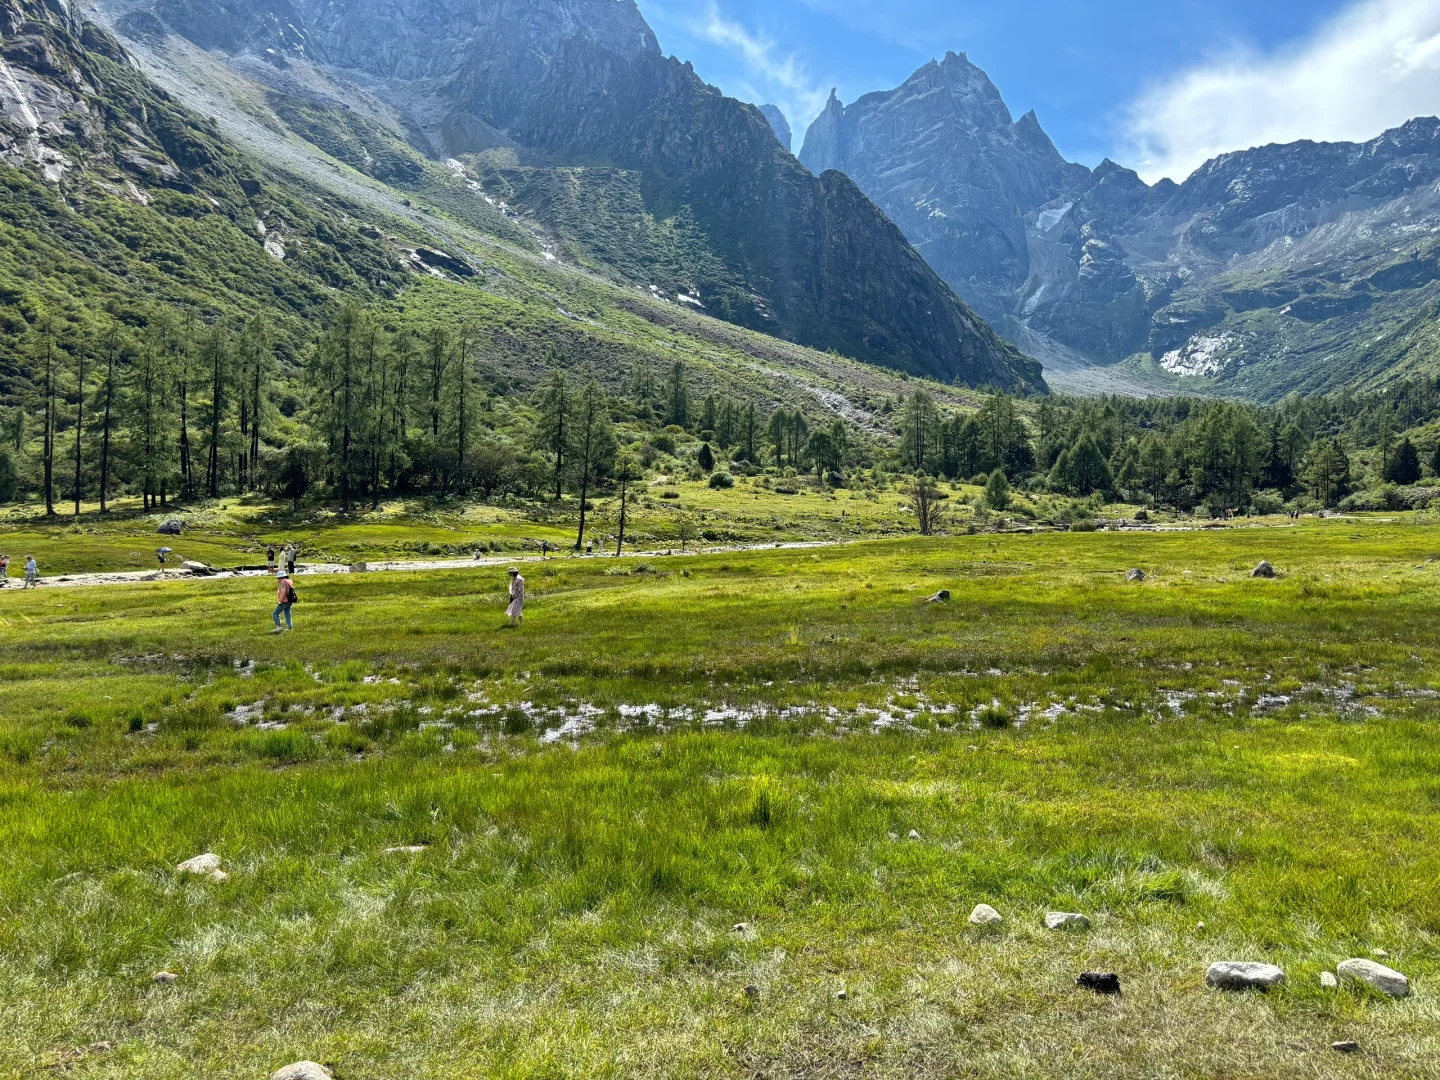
(778, 124)
(566, 118)
(112, 189)
(120, 205)
(1303, 267)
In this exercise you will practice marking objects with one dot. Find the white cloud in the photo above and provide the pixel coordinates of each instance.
(773, 76)
(1372, 67)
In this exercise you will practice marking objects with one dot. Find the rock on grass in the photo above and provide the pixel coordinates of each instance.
(1386, 980)
(985, 915)
(1102, 982)
(1065, 920)
(302, 1070)
(1243, 975)
(1264, 570)
(207, 865)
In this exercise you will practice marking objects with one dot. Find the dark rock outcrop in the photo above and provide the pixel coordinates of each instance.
(778, 124)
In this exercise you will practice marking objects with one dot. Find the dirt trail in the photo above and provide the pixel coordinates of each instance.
(139, 577)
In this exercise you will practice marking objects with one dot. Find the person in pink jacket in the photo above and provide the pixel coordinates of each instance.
(284, 597)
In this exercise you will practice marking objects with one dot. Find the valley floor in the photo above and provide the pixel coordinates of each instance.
(659, 829)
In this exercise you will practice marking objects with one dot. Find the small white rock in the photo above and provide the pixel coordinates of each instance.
(1243, 975)
(1386, 980)
(405, 849)
(164, 977)
(1065, 920)
(303, 1070)
(208, 863)
(1328, 980)
(219, 877)
(914, 835)
(985, 915)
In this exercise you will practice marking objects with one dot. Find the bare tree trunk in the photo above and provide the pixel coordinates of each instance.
(49, 434)
(79, 426)
(105, 428)
(620, 540)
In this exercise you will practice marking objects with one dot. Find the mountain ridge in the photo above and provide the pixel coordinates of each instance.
(537, 94)
(1267, 270)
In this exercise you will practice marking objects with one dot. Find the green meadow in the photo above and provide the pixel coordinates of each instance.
(727, 814)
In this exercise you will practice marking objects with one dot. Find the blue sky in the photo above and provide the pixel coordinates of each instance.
(1156, 84)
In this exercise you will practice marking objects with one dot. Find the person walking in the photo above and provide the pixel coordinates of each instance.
(4, 571)
(270, 558)
(516, 610)
(292, 552)
(284, 597)
(32, 572)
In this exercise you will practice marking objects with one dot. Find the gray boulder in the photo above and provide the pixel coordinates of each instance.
(1386, 980)
(1264, 570)
(1243, 975)
(1135, 575)
(169, 528)
(1065, 920)
(199, 569)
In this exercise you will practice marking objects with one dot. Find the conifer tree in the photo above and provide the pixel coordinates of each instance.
(677, 396)
(552, 431)
(594, 445)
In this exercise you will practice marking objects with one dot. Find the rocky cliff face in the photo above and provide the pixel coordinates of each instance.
(944, 158)
(778, 124)
(581, 84)
(1284, 267)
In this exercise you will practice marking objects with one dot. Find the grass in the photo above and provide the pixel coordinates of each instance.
(1211, 766)
(235, 532)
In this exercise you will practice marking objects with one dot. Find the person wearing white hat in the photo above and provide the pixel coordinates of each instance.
(516, 610)
(284, 597)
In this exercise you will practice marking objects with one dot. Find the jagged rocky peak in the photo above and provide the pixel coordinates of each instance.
(778, 124)
(944, 158)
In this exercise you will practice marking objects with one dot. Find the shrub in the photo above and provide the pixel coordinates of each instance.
(705, 458)
(1084, 525)
(997, 490)
(1267, 502)
(669, 494)
(721, 480)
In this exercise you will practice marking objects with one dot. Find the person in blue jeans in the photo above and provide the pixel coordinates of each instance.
(284, 597)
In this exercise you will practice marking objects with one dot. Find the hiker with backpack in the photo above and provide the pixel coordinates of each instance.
(284, 597)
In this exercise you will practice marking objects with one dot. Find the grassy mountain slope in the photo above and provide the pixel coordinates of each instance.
(617, 158)
(152, 202)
